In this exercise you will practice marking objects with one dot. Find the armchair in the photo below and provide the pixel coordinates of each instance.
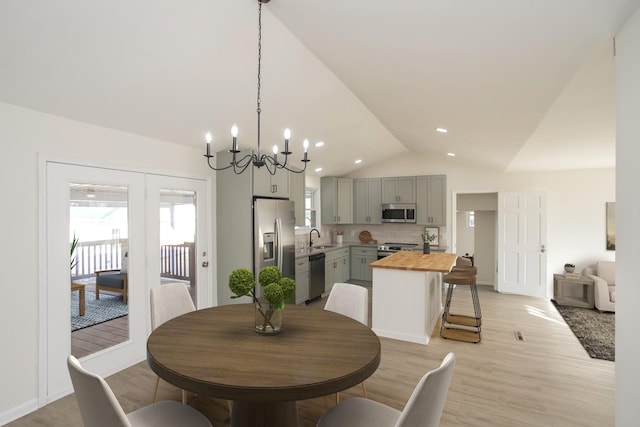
(114, 280)
(604, 287)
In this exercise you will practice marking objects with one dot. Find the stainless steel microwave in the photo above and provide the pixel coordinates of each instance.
(399, 212)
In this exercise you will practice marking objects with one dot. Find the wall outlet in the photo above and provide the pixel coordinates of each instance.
(352, 233)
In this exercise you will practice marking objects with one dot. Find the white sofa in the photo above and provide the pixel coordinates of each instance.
(604, 288)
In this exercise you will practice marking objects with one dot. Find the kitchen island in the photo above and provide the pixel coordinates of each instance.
(407, 294)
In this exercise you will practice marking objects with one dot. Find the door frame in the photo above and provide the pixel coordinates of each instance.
(545, 288)
(454, 222)
(44, 395)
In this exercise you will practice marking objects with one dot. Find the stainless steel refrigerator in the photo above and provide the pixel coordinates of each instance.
(274, 236)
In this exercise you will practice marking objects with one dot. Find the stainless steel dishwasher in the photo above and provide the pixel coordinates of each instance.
(316, 275)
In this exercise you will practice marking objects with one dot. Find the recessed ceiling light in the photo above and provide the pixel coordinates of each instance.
(451, 154)
(358, 161)
(318, 169)
(319, 143)
(441, 130)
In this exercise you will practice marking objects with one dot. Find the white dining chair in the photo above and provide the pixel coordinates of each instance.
(99, 407)
(349, 300)
(168, 301)
(352, 301)
(423, 409)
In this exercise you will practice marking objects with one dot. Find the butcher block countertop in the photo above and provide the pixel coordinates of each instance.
(415, 261)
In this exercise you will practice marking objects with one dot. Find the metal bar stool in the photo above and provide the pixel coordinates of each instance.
(457, 326)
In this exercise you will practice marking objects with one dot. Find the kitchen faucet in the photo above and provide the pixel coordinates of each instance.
(311, 241)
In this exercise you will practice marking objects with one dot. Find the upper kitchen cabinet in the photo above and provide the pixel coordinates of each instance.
(399, 190)
(336, 195)
(296, 193)
(367, 198)
(431, 202)
(267, 185)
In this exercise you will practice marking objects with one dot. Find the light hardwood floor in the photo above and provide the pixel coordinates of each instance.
(546, 380)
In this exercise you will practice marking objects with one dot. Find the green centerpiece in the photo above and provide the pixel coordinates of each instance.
(276, 290)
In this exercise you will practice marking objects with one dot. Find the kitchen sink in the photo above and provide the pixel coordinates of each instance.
(323, 246)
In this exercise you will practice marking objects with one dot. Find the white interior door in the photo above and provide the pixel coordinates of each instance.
(179, 234)
(522, 257)
(55, 323)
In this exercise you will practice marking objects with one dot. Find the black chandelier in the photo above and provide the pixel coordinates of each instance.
(257, 159)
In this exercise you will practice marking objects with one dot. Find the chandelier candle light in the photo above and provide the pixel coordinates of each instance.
(271, 163)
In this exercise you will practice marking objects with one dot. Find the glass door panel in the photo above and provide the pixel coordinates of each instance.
(99, 240)
(177, 238)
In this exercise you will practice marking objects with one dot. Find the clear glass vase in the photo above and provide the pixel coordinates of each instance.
(268, 319)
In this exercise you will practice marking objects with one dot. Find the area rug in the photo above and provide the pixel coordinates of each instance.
(108, 307)
(595, 330)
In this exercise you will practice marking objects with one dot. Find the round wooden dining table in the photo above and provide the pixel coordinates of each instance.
(216, 352)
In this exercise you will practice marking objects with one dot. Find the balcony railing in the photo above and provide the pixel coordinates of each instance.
(97, 255)
(176, 261)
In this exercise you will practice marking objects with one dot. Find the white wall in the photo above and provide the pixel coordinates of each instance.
(24, 134)
(465, 236)
(485, 247)
(627, 214)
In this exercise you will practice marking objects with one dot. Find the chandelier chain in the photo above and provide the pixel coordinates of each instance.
(259, 53)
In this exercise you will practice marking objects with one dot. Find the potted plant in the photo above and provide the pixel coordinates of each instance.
(73, 257)
(276, 290)
(569, 268)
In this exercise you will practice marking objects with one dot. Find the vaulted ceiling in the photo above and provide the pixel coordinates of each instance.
(520, 85)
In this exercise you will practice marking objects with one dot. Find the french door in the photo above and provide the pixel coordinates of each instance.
(175, 233)
(143, 213)
(61, 178)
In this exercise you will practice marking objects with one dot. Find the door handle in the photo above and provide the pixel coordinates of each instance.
(205, 263)
(542, 249)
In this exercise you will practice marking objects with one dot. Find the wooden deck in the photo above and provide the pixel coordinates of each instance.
(95, 338)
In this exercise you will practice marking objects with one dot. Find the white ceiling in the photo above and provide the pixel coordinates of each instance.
(521, 85)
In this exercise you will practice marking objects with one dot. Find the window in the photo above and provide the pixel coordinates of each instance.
(310, 207)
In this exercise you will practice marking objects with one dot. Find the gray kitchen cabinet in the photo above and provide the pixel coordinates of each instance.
(431, 203)
(399, 189)
(296, 193)
(344, 268)
(336, 196)
(302, 279)
(261, 181)
(367, 198)
(265, 184)
(336, 267)
(360, 260)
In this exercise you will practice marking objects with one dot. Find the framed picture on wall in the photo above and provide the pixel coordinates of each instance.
(432, 235)
(611, 226)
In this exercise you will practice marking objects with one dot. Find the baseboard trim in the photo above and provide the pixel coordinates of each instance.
(18, 411)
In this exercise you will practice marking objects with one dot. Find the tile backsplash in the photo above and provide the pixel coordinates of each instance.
(398, 233)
